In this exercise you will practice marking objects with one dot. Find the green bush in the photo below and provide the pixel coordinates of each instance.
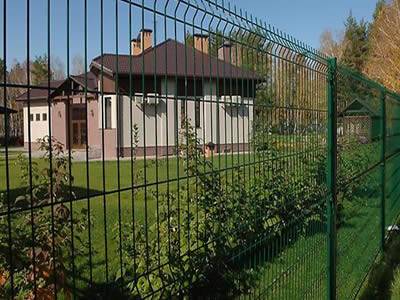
(200, 228)
(41, 257)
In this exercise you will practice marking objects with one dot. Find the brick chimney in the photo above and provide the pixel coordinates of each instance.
(230, 53)
(142, 42)
(136, 49)
(200, 42)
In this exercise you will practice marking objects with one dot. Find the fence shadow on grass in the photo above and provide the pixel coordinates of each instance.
(76, 194)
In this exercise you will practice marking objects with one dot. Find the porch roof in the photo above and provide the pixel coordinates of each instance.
(42, 91)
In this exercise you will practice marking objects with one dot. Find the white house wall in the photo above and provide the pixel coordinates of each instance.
(39, 129)
(219, 123)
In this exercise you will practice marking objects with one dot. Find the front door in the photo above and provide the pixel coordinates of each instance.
(78, 127)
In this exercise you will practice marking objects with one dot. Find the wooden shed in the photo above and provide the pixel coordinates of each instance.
(361, 120)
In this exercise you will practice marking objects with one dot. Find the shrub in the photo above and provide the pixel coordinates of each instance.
(41, 257)
(201, 227)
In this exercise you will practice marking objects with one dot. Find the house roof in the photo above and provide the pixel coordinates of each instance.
(41, 91)
(359, 107)
(4, 110)
(168, 58)
(91, 80)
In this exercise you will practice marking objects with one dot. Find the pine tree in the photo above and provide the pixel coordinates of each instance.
(39, 70)
(356, 40)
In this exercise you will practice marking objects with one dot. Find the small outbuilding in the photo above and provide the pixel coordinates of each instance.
(361, 120)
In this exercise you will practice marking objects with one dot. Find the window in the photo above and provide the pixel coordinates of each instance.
(107, 112)
(197, 113)
(78, 113)
(31, 117)
(37, 117)
(44, 117)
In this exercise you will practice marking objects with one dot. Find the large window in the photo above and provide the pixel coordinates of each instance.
(107, 112)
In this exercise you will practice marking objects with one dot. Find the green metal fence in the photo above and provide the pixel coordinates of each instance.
(211, 156)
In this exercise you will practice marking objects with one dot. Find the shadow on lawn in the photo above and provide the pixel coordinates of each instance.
(255, 257)
(95, 290)
(213, 284)
(14, 194)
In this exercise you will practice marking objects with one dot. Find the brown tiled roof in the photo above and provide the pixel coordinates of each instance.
(41, 92)
(198, 64)
(91, 80)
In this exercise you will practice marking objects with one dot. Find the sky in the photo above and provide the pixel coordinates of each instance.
(307, 19)
(303, 19)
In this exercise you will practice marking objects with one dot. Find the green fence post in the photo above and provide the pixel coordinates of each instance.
(331, 177)
(383, 167)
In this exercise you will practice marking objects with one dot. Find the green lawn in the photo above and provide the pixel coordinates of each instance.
(300, 271)
(296, 271)
(119, 202)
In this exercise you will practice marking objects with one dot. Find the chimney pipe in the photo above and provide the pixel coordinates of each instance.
(135, 47)
(200, 42)
(142, 42)
(230, 53)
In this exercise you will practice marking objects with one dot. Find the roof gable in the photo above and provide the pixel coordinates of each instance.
(359, 107)
(41, 92)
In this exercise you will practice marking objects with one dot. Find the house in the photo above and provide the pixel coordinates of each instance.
(154, 89)
(359, 119)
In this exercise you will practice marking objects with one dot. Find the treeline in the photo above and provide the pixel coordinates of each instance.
(370, 47)
(17, 75)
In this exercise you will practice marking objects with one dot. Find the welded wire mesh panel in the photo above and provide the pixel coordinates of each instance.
(181, 151)
(359, 136)
(392, 165)
(291, 129)
(184, 149)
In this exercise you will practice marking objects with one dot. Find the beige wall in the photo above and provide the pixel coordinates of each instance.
(39, 129)
(59, 117)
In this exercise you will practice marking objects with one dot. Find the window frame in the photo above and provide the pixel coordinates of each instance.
(107, 112)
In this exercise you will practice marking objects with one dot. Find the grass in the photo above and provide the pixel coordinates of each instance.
(118, 202)
(299, 272)
(295, 271)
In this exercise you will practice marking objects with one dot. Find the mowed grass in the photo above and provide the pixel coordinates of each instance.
(299, 271)
(296, 271)
(115, 192)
